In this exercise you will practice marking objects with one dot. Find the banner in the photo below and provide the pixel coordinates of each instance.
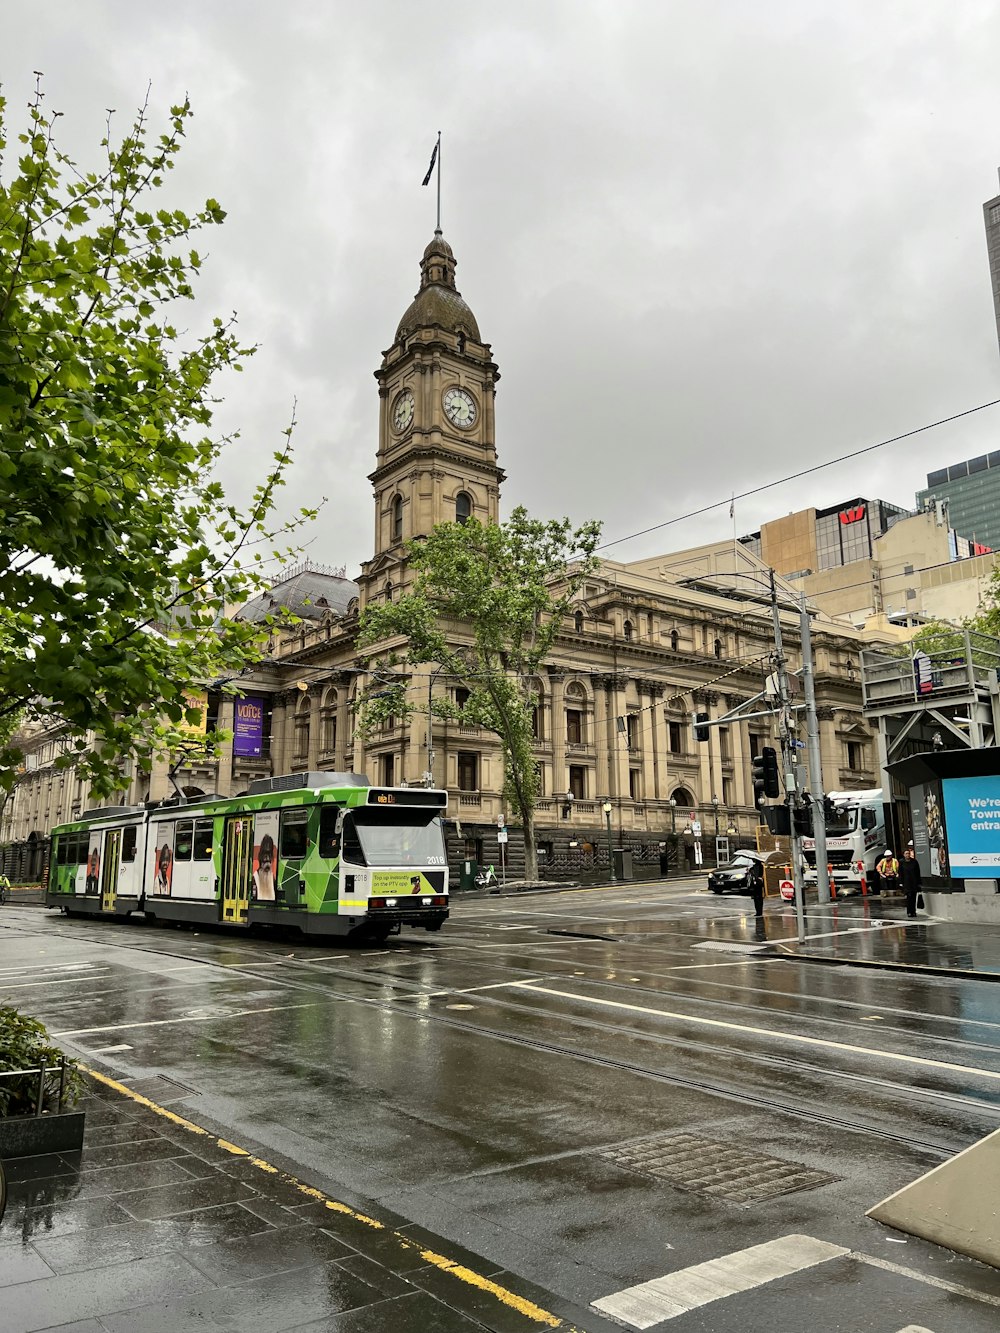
(194, 699)
(248, 727)
(972, 820)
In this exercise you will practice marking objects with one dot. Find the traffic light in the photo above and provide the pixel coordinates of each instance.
(772, 778)
(700, 729)
(757, 769)
(802, 819)
(766, 778)
(831, 812)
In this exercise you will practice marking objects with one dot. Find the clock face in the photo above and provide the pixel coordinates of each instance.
(402, 411)
(460, 408)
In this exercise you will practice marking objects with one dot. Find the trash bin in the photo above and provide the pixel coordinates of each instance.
(623, 863)
(664, 859)
(467, 875)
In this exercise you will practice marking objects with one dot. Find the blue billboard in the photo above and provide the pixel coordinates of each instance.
(972, 818)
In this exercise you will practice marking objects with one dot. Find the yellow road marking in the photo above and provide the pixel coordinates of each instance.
(458, 1271)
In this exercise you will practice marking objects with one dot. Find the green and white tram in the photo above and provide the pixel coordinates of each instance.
(324, 852)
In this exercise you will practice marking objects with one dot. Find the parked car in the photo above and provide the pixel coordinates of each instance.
(734, 876)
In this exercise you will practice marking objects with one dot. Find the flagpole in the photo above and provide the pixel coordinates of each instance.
(736, 559)
(439, 181)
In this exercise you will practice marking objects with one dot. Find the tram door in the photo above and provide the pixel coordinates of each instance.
(236, 854)
(110, 869)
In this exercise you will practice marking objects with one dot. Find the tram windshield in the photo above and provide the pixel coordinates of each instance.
(407, 837)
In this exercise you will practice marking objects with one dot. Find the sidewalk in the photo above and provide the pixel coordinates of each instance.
(876, 932)
(160, 1227)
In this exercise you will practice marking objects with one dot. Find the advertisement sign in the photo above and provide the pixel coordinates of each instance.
(248, 727)
(397, 883)
(195, 700)
(265, 854)
(163, 861)
(972, 817)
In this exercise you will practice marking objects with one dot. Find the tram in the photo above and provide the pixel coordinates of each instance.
(325, 852)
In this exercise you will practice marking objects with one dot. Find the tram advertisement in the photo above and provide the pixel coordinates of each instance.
(396, 883)
(265, 854)
(163, 861)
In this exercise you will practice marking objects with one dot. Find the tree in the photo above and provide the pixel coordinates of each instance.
(119, 553)
(487, 602)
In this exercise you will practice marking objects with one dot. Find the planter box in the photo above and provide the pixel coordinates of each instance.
(32, 1135)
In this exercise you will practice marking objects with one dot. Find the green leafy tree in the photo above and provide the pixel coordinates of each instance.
(119, 552)
(487, 602)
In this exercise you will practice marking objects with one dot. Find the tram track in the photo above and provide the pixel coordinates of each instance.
(785, 1065)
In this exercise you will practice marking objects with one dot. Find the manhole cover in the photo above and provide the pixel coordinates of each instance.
(715, 1167)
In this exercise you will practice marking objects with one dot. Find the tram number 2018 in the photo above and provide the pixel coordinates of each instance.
(435, 860)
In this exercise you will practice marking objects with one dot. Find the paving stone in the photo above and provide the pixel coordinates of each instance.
(106, 1246)
(169, 1200)
(52, 1301)
(384, 1280)
(418, 1313)
(131, 1131)
(241, 1260)
(268, 1305)
(121, 1154)
(69, 1217)
(481, 1305)
(21, 1263)
(112, 1180)
(38, 1168)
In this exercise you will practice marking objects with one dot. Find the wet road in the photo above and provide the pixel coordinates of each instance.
(552, 1082)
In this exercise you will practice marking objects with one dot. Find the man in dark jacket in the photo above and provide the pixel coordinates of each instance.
(909, 877)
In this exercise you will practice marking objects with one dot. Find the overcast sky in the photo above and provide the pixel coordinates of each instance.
(711, 242)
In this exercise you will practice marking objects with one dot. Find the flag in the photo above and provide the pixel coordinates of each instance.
(430, 169)
(732, 507)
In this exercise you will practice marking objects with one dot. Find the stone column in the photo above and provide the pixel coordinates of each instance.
(279, 735)
(557, 694)
(650, 765)
(224, 772)
(315, 704)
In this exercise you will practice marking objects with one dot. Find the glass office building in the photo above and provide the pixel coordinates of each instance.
(972, 490)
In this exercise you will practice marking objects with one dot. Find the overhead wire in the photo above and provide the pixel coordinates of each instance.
(795, 476)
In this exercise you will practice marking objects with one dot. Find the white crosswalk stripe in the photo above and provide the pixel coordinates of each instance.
(677, 1293)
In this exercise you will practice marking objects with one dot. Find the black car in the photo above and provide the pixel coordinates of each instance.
(734, 876)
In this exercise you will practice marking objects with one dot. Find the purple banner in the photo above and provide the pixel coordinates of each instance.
(248, 727)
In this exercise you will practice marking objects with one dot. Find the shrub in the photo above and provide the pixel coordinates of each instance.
(24, 1043)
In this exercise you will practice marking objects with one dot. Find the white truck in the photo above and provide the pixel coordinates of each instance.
(855, 839)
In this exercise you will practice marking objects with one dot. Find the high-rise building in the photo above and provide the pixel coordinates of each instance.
(991, 216)
(817, 539)
(972, 490)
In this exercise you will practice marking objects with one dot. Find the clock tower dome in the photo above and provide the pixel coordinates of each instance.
(436, 458)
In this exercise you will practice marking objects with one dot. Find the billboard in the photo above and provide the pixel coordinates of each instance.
(972, 817)
(248, 727)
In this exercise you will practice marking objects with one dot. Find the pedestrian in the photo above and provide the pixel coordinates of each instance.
(755, 881)
(888, 871)
(4, 888)
(909, 876)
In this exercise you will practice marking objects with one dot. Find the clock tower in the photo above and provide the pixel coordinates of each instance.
(436, 460)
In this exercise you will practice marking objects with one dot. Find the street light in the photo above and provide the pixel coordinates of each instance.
(673, 815)
(607, 808)
(715, 807)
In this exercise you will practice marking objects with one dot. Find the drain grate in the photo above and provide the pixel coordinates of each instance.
(716, 1168)
(730, 946)
(161, 1089)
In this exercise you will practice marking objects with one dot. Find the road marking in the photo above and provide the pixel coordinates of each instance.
(109, 1050)
(794, 1037)
(664, 1298)
(462, 990)
(503, 1295)
(187, 1018)
(46, 981)
(741, 962)
(954, 1287)
(915, 1328)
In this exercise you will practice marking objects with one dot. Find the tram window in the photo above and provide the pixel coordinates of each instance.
(294, 834)
(128, 843)
(182, 840)
(329, 841)
(203, 831)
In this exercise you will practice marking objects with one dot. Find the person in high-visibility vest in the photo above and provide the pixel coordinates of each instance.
(4, 888)
(888, 869)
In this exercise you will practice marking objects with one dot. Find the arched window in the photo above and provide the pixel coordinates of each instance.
(463, 507)
(388, 590)
(682, 797)
(301, 749)
(627, 631)
(397, 518)
(675, 640)
(718, 647)
(578, 622)
(328, 721)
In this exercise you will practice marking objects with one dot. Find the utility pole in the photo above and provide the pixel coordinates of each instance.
(788, 755)
(816, 789)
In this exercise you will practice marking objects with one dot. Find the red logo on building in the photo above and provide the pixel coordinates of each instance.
(854, 515)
